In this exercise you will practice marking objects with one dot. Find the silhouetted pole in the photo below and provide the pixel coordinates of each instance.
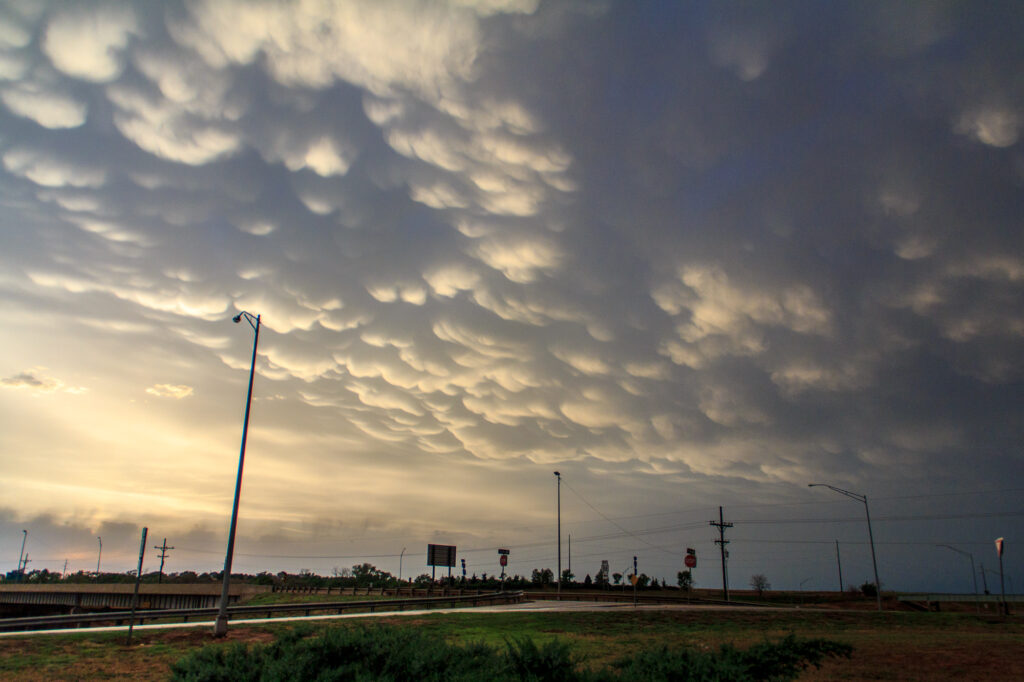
(839, 564)
(1002, 584)
(974, 576)
(636, 579)
(99, 556)
(558, 476)
(138, 579)
(722, 542)
(400, 557)
(220, 627)
(871, 536)
(21, 555)
(163, 555)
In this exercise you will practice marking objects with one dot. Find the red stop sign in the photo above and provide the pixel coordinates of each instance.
(690, 561)
(503, 560)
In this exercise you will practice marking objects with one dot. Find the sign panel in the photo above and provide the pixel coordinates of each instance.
(691, 550)
(634, 579)
(690, 561)
(999, 547)
(503, 560)
(440, 555)
(504, 551)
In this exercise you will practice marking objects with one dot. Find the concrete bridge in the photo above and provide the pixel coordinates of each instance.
(64, 598)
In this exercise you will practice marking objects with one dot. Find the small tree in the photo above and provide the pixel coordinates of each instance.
(587, 581)
(760, 583)
(567, 576)
(617, 577)
(542, 576)
(685, 580)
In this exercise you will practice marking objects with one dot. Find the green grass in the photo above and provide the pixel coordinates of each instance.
(300, 598)
(597, 638)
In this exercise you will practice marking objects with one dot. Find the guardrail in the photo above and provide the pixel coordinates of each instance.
(122, 617)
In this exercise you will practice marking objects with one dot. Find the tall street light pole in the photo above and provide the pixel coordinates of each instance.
(974, 576)
(220, 627)
(871, 536)
(21, 555)
(99, 556)
(839, 564)
(400, 557)
(558, 476)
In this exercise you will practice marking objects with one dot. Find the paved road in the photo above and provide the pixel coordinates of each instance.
(524, 607)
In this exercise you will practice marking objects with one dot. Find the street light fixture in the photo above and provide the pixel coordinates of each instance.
(220, 627)
(558, 476)
(871, 536)
(974, 576)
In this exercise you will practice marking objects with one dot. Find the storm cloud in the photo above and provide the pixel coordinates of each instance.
(685, 250)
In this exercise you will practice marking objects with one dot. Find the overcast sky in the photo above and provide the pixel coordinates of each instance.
(688, 254)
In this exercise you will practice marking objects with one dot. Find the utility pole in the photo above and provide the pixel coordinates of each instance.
(163, 554)
(65, 571)
(636, 579)
(138, 579)
(570, 553)
(840, 565)
(21, 555)
(559, 494)
(1002, 584)
(984, 581)
(24, 565)
(722, 542)
(99, 556)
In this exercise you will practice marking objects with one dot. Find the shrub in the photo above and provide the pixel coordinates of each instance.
(392, 654)
(783, 660)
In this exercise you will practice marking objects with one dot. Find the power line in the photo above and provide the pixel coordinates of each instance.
(904, 517)
(602, 515)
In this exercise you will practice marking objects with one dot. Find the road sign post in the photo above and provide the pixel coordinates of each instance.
(635, 579)
(440, 555)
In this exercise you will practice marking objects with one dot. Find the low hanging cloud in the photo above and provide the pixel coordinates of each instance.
(176, 391)
(32, 382)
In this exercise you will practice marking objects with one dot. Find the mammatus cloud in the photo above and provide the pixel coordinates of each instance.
(486, 236)
(87, 42)
(998, 127)
(47, 108)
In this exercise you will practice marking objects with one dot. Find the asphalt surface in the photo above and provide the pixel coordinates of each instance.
(524, 607)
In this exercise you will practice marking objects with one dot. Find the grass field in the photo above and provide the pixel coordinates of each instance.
(887, 646)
